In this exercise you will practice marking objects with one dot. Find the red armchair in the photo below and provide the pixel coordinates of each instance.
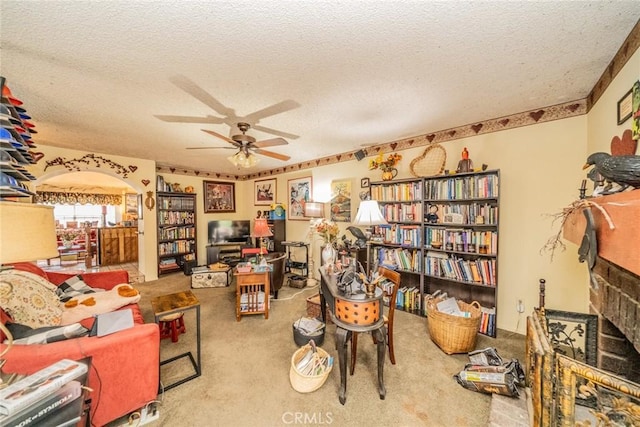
(124, 373)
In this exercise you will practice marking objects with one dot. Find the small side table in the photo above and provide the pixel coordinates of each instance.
(174, 303)
(252, 284)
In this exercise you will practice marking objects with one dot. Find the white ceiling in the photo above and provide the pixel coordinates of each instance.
(94, 74)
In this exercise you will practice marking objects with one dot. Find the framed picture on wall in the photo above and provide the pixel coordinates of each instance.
(341, 200)
(219, 196)
(364, 182)
(300, 192)
(265, 192)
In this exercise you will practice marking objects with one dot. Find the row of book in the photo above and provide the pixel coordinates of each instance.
(487, 321)
(177, 203)
(403, 235)
(398, 258)
(176, 217)
(176, 247)
(51, 396)
(462, 240)
(168, 264)
(481, 271)
(401, 191)
(470, 212)
(408, 299)
(406, 212)
(460, 188)
(186, 232)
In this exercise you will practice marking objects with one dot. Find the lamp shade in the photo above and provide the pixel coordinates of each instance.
(261, 228)
(27, 232)
(314, 210)
(369, 214)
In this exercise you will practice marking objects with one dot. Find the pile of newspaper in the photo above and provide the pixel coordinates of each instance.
(308, 326)
(487, 373)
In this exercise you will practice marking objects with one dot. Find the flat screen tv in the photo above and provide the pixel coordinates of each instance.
(229, 231)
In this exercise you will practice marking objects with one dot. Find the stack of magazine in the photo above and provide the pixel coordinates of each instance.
(51, 396)
(313, 364)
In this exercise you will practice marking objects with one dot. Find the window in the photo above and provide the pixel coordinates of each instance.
(82, 213)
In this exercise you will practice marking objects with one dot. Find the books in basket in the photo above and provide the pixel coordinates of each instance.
(44, 408)
(34, 387)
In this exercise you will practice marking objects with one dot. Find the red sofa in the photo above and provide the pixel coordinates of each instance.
(124, 373)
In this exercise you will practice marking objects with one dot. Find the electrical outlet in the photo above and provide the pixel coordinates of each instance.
(149, 414)
(520, 306)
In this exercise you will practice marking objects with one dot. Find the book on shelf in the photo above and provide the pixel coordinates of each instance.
(32, 388)
(42, 410)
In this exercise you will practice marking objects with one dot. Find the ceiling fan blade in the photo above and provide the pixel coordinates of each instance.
(219, 135)
(211, 148)
(270, 142)
(271, 154)
(190, 119)
(201, 95)
(275, 132)
(278, 108)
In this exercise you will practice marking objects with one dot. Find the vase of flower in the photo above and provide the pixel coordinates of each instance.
(389, 174)
(328, 254)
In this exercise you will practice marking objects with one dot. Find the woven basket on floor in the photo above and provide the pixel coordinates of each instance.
(454, 334)
(307, 383)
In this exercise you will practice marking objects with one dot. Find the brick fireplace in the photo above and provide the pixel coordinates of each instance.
(616, 300)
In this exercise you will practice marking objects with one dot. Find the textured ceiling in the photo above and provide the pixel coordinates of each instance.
(94, 75)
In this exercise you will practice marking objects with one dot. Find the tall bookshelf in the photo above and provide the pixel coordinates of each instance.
(454, 251)
(176, 230)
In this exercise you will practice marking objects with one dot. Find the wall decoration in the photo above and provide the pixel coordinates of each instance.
(364, 182)
(265, 191)
(219, 196)
(87, 160)
(145, 182)
(68, 198)
(341, 200)
(131, 206)
(149, 202)
(300, 192)
(625, 107)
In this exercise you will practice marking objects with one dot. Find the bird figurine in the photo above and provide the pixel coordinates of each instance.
(622, 170)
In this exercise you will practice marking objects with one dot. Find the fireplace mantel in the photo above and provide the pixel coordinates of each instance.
(621, 246)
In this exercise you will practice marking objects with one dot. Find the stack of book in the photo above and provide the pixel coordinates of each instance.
(51, 396)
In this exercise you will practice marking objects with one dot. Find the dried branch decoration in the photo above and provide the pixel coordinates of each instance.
(87, 159)
(555, 242)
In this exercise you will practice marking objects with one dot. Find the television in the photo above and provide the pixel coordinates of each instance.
(229, 231)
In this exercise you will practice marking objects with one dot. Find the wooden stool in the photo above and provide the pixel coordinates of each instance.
(172, 326)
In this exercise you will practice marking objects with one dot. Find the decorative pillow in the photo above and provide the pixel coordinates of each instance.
(29, 299)
(72, 287)
(24, 335)
(81, 307)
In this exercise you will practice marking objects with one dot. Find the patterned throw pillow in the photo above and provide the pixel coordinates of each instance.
(29, 299)
(73, 287)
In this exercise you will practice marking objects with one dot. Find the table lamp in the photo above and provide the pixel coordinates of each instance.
(27, 233)
(369, 215)
(312, 210)
(261, 230)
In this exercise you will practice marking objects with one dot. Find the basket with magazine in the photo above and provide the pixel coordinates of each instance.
(310, 368)
(453, 325)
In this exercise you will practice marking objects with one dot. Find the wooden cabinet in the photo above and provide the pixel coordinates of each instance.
(118, 245)
(176, 230)
(442, 235)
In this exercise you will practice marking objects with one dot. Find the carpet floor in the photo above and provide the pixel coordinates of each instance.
(245, 370)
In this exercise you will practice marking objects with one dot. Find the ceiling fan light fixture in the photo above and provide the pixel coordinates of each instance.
(240, 159)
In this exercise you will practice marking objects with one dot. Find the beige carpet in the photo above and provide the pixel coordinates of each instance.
(245, 370)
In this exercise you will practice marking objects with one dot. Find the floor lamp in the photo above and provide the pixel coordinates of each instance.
(312, 210)
(27, 233)
(368, 215)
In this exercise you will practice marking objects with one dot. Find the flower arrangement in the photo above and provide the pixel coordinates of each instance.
(68, 235)
(328, 230)
(379, 162)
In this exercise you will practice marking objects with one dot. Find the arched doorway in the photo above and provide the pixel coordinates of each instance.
(107, 202)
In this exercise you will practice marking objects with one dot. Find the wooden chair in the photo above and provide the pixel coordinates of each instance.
(394, 277)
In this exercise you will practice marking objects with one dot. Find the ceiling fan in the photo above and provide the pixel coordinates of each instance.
(246, 146)
(229, 116)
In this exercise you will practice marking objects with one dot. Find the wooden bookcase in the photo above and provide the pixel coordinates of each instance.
(453, 249)
(176, 230)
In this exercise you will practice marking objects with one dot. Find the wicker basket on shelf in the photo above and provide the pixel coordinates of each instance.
(454, 334)
(430, 163)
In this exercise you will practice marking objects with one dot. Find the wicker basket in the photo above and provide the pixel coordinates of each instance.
(303, 383)
(454, 334)
(313, 309)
